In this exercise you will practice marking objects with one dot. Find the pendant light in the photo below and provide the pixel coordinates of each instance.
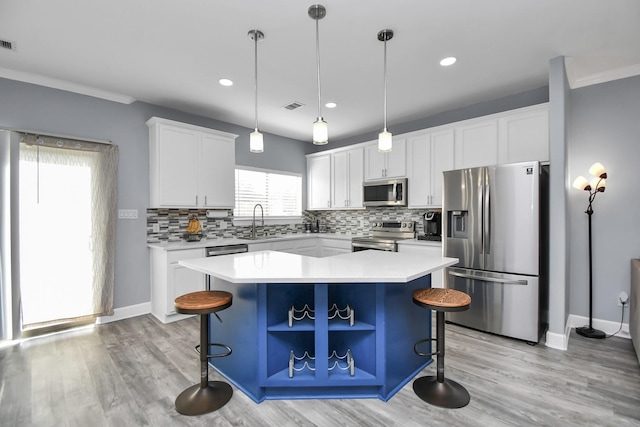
(256, 144)
(320, 130)
(385, 138)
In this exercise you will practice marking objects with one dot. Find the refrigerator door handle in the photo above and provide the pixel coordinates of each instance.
(487, 220)
(487, 279)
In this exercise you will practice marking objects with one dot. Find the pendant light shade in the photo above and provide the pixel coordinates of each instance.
(256, 142)
(320, 129)
(385, 138)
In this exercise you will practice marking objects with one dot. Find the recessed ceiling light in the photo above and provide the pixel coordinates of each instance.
(225, 82)
(331, 105)
(450, 60)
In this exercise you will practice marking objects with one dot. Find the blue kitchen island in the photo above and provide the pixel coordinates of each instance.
(307, 328)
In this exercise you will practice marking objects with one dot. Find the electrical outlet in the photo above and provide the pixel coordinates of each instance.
(222, 224)
(623, 297)
(155, 227)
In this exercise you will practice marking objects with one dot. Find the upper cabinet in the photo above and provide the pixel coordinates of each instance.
(524, 135)
(190, 166)
(392, 164)
(513, 136)
(319, 182)
(428, 155)
(334, 179)
(477, 144)
(346, 178)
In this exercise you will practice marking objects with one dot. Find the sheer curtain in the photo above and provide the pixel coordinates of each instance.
(68, 193)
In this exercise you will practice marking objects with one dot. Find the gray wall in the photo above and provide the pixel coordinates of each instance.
(31, 107)
(605, 127)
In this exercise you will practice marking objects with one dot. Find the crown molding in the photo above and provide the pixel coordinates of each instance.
(54, 83)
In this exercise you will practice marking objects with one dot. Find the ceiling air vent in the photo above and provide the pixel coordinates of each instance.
(294, 105)
(6, 44)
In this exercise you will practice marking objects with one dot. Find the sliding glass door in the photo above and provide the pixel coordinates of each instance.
(67, 223)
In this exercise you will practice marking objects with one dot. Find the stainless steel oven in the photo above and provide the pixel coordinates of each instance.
(384, 236)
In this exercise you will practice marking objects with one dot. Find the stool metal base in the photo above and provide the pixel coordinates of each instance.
(447, 394)
(197, 400)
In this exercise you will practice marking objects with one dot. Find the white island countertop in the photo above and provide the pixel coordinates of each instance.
(354, 267)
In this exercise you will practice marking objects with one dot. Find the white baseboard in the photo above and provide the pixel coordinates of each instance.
(561, 341)
(126, 312)
(606, 326)
(558, 341)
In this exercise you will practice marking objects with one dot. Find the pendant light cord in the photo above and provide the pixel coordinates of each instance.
(255, 39)
(318, 62)
(385, 84)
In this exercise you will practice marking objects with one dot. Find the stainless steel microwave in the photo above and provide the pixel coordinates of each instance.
(389, 192)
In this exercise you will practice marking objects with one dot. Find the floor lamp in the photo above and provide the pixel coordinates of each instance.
(597, 185)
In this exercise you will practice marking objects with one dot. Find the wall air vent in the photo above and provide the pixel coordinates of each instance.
(6, 44)
(294, 105)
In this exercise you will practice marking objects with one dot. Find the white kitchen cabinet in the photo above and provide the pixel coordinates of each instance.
(476, 143)
(190, 166)
(346, 178)
(426, 250)
(260, 246)
(169, 280)
(392, 164)
(428, 155)
(300, 246)
(329, 247)
(319, 182)
(524, 135)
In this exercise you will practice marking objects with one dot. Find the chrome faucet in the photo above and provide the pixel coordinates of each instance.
(253, 223)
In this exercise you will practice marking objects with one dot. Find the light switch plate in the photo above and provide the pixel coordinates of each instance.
(127, 213)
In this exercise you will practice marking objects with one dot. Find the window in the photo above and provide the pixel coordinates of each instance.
(279, 193)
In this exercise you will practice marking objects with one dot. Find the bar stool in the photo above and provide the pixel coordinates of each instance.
(437, 390)
(208, 396)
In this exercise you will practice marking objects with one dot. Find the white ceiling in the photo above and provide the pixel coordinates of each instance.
(172, 53)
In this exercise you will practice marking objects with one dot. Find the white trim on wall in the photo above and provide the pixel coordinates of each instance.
(126, 313)
(607, 326)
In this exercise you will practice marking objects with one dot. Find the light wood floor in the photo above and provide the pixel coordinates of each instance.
(128, 373)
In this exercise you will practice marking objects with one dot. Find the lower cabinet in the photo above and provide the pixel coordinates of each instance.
(330, 247)
(302, 246)
(169, 280)
(311, 246)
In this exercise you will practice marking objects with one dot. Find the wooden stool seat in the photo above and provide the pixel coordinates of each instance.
(203, 302)
(438, 390)
(441, 299)
(207, 396)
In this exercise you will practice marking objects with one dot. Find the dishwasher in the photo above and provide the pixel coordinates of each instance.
(223, 250)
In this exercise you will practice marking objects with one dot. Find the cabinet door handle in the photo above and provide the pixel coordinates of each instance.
(205, 200)
(196, 200)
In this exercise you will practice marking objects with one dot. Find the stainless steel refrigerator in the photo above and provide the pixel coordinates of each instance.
(494, 221)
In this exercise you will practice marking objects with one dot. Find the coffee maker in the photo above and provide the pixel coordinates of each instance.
(432, 223)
